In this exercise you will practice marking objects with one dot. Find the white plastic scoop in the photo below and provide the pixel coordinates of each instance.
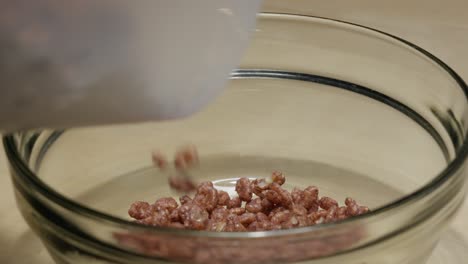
(72, 63)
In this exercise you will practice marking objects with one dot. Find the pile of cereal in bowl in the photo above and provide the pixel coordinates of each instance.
(260, 204)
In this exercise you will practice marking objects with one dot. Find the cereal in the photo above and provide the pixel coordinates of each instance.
(313, 192)
(327, 203)
(352, 209)
(298, 209)
(213, 250)
(276, 210)
(281, 216)
(174, 216)
(314, 207)
(260, 226)
(258, 186)
(207, 196)
(234, 203)
(197, 218)
(183, 211)
(219, 214)
(194, 216)
(310, 198)
(273, 197)
(267, 206)
(157, 218)
(181, 183)
(237, 211)
(303, 220)
(363, 210)
(330, 217)
(318, 217)
(217, 226)
(341, 213)
(233, 224)
(297, 195)
(247, 218)
(254, 206)
(168, 203)
(159, 160)
(261, 217)
(244, 189)
(307, 198)
(284, 195)
(259, 206)
(140, 210)
(186, 157)
(223, 198)
(185, 199)
(278, 177)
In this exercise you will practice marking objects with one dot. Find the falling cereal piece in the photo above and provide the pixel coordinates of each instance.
(182, 184)
(186, 157)
(159, 160)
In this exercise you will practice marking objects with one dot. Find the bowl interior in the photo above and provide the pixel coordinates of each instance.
(351, 110)
(340, 140)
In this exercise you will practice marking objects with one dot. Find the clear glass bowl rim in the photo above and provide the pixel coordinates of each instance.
(34, 181)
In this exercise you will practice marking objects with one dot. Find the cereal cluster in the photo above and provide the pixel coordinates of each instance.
(185, 158)
(260, 205)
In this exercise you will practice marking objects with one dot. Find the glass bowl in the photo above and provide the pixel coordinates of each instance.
(352, 110)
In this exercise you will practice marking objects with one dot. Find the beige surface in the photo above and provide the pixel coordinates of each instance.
(439, 26)
(13, 230)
